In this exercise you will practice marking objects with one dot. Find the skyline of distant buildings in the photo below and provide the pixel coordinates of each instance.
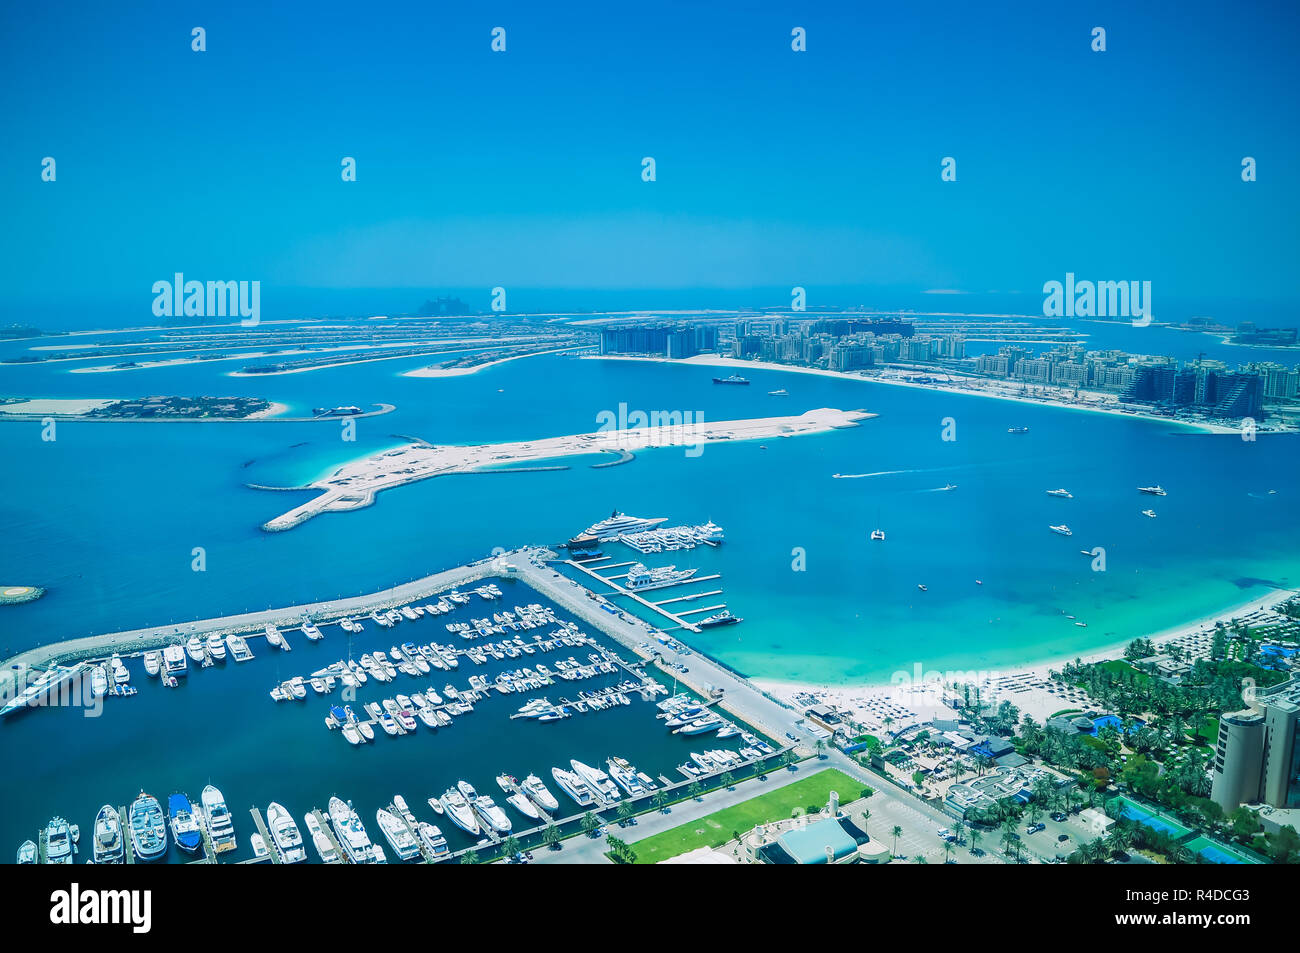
(851, 343)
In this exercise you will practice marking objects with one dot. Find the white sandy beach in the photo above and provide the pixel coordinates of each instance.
(1028, 687)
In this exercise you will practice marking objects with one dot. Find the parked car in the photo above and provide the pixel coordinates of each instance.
(1035, 828)
(1058, 816)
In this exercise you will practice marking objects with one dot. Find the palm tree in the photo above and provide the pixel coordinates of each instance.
(897, 832)
(728, 780)
(660, 801)
(820, 748)
(510, 846)
(948, 848)
(551, 836)
(624, 811)
(590, 822)
(959, 832)
(866, 816)
(470, 857)
(976, 835)
(694, 790)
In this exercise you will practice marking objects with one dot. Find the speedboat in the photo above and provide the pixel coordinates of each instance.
(260, 851)
(573, 786)
(721, 618)
(27, 853)
(352, 837)
(398, 835)
(285, 833)
(121, 675)
(1149, 513)
(878, 534)
(309, 629)
(109, 847)
(185, 826)
(221, 827)
(58, 842)
(950, 486)
(148, 828)
(459, 809)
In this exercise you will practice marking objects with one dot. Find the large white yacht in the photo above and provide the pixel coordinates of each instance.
(538, 792)
(597, 780)
(617, 523)
(459, 809)
(640, 576)
(352, 837)
(397, 834)
(220, 826)
(285, 833)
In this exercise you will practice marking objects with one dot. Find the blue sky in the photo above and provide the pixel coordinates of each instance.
(522, 169)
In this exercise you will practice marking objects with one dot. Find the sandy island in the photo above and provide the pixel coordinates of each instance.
(355, 484)
(435, 370)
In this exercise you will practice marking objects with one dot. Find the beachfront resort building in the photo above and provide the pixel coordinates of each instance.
(1257, 757)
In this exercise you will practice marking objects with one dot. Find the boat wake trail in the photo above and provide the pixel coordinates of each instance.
(880, 473)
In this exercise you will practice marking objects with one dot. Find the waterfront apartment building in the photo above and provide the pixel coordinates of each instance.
(1257, 756)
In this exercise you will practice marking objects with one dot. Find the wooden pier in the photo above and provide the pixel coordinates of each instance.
(272, 849)
(127, 846)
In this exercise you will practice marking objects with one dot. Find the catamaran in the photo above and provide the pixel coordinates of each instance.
(285, 833)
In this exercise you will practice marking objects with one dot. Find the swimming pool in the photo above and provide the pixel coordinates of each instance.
(1112, 721)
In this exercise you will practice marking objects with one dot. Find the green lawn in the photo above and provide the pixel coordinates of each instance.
(716, 829)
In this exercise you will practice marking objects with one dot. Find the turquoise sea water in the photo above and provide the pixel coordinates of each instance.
(107, 517)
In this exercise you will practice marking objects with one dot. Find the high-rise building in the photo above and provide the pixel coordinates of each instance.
(1257, 756)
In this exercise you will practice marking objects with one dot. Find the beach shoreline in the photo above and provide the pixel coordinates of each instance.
(711, 360)
(876, 691)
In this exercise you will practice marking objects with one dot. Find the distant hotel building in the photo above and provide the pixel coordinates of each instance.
(670, 340)
(1257, 757)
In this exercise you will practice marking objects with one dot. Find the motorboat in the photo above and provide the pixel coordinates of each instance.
(398, 835)
(285, 833)
(221, 827)
(148, 828)
(459, 809)
(185, 826)
(110, 845)
(58, 842)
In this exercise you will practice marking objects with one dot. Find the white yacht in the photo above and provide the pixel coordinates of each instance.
(621, 523)
(1151, 514)
(539, 793)
(596, 779)
(152, 663)
(121, 675)
(98, 681)
(285, 833)
(460, 810)
(216, 647)
(641, 577)
(194, 648)
(432, 839)
(878, 534)
(625, 776)
(110, 845)
(397, 834)
(324, 847)
(273, 637)
(491, 814)
(220, 825)
(352, 837)
(1062, 530)
(710, 532)
(573, 786)
(174, 660)
(1153, 490)
(519, 801)
(1063, 493)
